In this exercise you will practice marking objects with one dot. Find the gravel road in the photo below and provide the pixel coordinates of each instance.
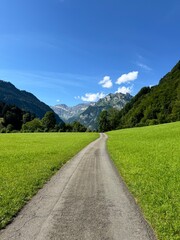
(85, 200)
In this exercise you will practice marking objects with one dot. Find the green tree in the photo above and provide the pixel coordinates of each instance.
(103, 122)
(68, 127)
(13, 116)
(9, 128)
(78, 127)
(113, 117)
(27, 117)
(49, 121)
(33, 126)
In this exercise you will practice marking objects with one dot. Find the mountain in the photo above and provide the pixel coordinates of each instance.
(158, 104)
(67, 113)
(26, 101)
(90, 116)
(117, 100)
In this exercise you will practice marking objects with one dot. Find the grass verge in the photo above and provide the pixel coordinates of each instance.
(148, 159)
(27, 161)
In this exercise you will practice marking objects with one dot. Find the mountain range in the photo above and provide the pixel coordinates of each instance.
(87, 114)
(152, 105)
(67, 113)
(26, 101)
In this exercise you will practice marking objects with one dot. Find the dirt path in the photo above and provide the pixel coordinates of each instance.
(85, 200)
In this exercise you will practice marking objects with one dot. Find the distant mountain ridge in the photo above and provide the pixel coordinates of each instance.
(26, 101)
(65, 112)
(89, 117)
(87, 113)
(115, 100)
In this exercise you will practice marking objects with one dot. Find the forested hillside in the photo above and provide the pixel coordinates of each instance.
(155, 105)
(26, 101)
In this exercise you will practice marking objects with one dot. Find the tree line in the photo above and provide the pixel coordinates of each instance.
(13, 119)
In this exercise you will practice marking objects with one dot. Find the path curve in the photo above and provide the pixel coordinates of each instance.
(85, 200)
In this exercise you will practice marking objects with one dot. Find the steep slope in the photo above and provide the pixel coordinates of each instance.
(65, 112)
(26, 101)
(159, 104)
(90, 116)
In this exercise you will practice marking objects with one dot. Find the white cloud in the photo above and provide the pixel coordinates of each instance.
(144, 66)
(57, 100)
(131, 76)
(92, 97)
(78, 97)
(106, 82)
(124, 90)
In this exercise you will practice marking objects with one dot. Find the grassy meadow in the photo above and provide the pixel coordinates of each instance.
(148, 159)
(27, 161)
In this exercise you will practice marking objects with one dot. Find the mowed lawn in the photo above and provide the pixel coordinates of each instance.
(148, 159)
(27, 161)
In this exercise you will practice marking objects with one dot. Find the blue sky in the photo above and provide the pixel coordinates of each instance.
(70, 51)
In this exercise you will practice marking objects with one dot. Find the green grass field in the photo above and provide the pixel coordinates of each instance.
(148, 159)
(27, 161)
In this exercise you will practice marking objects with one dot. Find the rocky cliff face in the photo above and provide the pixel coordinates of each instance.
(67, 113)
(117, 100)
(89, 117)
(87, 113)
